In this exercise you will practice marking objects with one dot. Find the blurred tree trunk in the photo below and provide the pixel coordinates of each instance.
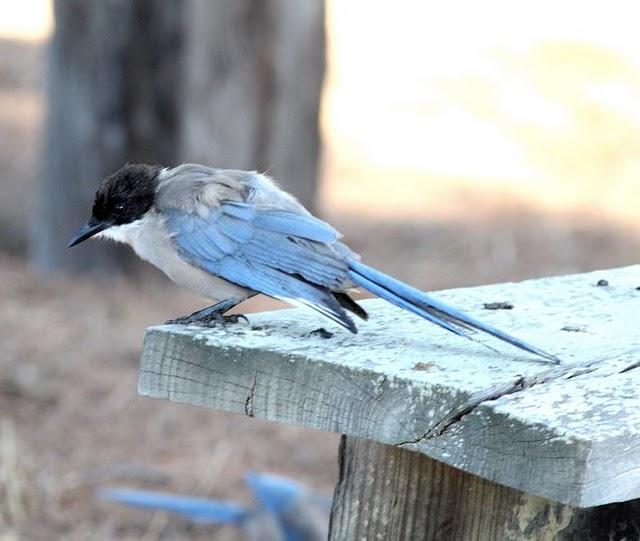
(252, 84)
(253, 81)
(113, 88)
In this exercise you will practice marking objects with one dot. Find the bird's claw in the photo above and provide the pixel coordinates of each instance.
(210, 320)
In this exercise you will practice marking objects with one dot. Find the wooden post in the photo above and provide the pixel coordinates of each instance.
(391, 494)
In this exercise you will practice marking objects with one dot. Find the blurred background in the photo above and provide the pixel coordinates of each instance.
(452, 144)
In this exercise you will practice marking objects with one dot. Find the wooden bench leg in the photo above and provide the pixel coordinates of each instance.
(387, 493)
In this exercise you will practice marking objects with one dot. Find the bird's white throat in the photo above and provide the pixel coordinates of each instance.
(126, 233)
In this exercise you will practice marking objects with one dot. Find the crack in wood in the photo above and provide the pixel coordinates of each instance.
(248, 404)
(457, 414)
(521, 384)
(379, 391)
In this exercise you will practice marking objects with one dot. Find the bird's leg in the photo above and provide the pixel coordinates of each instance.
(211, 315)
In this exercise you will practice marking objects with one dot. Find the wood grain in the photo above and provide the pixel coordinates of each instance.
(390, 494)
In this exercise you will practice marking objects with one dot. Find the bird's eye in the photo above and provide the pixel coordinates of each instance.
(119, 207)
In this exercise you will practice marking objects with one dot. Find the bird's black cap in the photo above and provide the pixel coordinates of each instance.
(121, 198)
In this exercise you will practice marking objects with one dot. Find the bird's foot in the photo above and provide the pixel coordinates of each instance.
(209, 320)
(211, 316)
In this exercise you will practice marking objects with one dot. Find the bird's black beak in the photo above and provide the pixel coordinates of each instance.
(88, 230)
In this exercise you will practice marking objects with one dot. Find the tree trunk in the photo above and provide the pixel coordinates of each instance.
(113, 88)
(254, 77)
(252, 90)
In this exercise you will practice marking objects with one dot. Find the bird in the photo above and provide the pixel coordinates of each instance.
(302, 514)
(284, 510)
(228, 234)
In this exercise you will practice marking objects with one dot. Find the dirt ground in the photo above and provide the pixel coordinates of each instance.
(70, 418)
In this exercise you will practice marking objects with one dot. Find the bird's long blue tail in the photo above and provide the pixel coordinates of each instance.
(421, 304)
(196, 509)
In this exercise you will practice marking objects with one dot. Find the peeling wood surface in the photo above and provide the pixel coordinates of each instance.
(570, 433)
(391, 494)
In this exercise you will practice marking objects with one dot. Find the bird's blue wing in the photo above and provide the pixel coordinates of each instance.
(299, 225)
(196, 509)
(283, 254)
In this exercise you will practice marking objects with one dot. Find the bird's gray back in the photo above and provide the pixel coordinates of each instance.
(199, 188)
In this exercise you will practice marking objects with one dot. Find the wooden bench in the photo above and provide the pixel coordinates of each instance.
(446, 439)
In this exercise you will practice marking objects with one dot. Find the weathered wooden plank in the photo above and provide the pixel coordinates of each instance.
(569, 433)
(390, 494)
